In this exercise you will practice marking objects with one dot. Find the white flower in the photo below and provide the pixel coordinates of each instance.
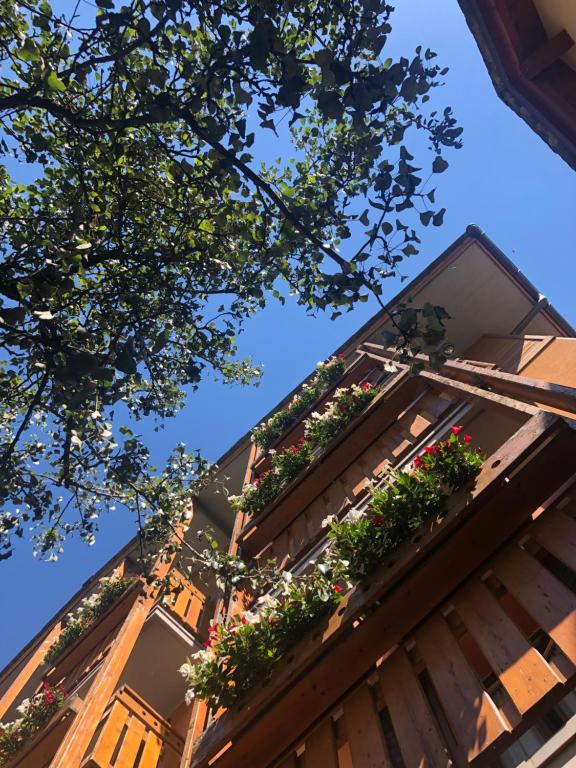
(328, 521)
(267, 602)
(186, 670)
(189, 696)
(355, 515)
(23, 707)
(251, 617)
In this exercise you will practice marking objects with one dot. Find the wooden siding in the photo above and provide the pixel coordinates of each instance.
(433, 698)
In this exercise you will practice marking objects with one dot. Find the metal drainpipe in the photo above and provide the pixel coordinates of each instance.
(542, 303)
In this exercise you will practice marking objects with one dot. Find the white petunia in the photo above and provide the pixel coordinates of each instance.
(356, 515)
(328, 521)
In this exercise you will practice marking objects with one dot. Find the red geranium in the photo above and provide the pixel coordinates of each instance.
(456, 430)
(467, 438)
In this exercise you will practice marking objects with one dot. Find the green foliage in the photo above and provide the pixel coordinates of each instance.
(396, 511)
(89, 610)
(33, 713)
(155, 226)
(264, 435)
(286, 465)
(322, 428)
(242, 651)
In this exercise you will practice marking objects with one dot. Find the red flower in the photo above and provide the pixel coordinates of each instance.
(207, 643)
(337, 588)
(294, 449)
(467, 438)
(432, 449)
(366, 386)
(417, 463)
(243, 620)
(213, 628)
(456, 430)
(340, 357)
(301, 441)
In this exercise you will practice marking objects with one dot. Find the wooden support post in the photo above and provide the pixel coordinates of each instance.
(34, 661)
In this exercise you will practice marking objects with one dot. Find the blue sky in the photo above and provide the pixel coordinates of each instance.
(505, 179)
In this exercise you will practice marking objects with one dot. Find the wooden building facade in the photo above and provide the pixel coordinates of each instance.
(459, 649)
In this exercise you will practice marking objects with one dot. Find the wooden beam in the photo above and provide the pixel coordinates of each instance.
(555, 396)
(546, 54)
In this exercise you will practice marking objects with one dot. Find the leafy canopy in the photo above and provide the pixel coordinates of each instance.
(156, 223)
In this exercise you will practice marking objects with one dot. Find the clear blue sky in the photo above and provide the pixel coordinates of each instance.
(505, 179)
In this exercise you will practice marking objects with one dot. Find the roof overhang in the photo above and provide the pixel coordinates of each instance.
(528, 48)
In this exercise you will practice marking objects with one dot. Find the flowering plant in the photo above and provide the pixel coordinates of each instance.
(89, 609)
(242, 650)
(326, 374)
(34, 714)
(321, 428)
(286, 465)
(451, 459)
(396, 511)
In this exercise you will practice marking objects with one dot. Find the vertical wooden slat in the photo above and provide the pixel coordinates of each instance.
(474, 719)
(556, 532)
(545, 598)
(321, 749)
(414, 726)
(106, 744)
(151, 752)
(365, 736)
(522, 671)
(131, 744)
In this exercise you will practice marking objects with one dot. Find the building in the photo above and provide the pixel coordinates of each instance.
(528, 48)
(459, 648)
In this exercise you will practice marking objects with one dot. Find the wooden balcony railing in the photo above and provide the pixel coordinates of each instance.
(403, 605)
(190, 605)
(132, 735)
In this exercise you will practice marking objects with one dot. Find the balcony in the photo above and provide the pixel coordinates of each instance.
(133, 735)
(517, 478)
(407, 413)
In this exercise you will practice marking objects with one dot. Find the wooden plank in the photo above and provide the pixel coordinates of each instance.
(151, 752)
(556, 532)
(321, 749)
(545, 598)
(364, 729)
(131, 744)
(106, 744)
(522, 671)
(473, 717)
(412, 720)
